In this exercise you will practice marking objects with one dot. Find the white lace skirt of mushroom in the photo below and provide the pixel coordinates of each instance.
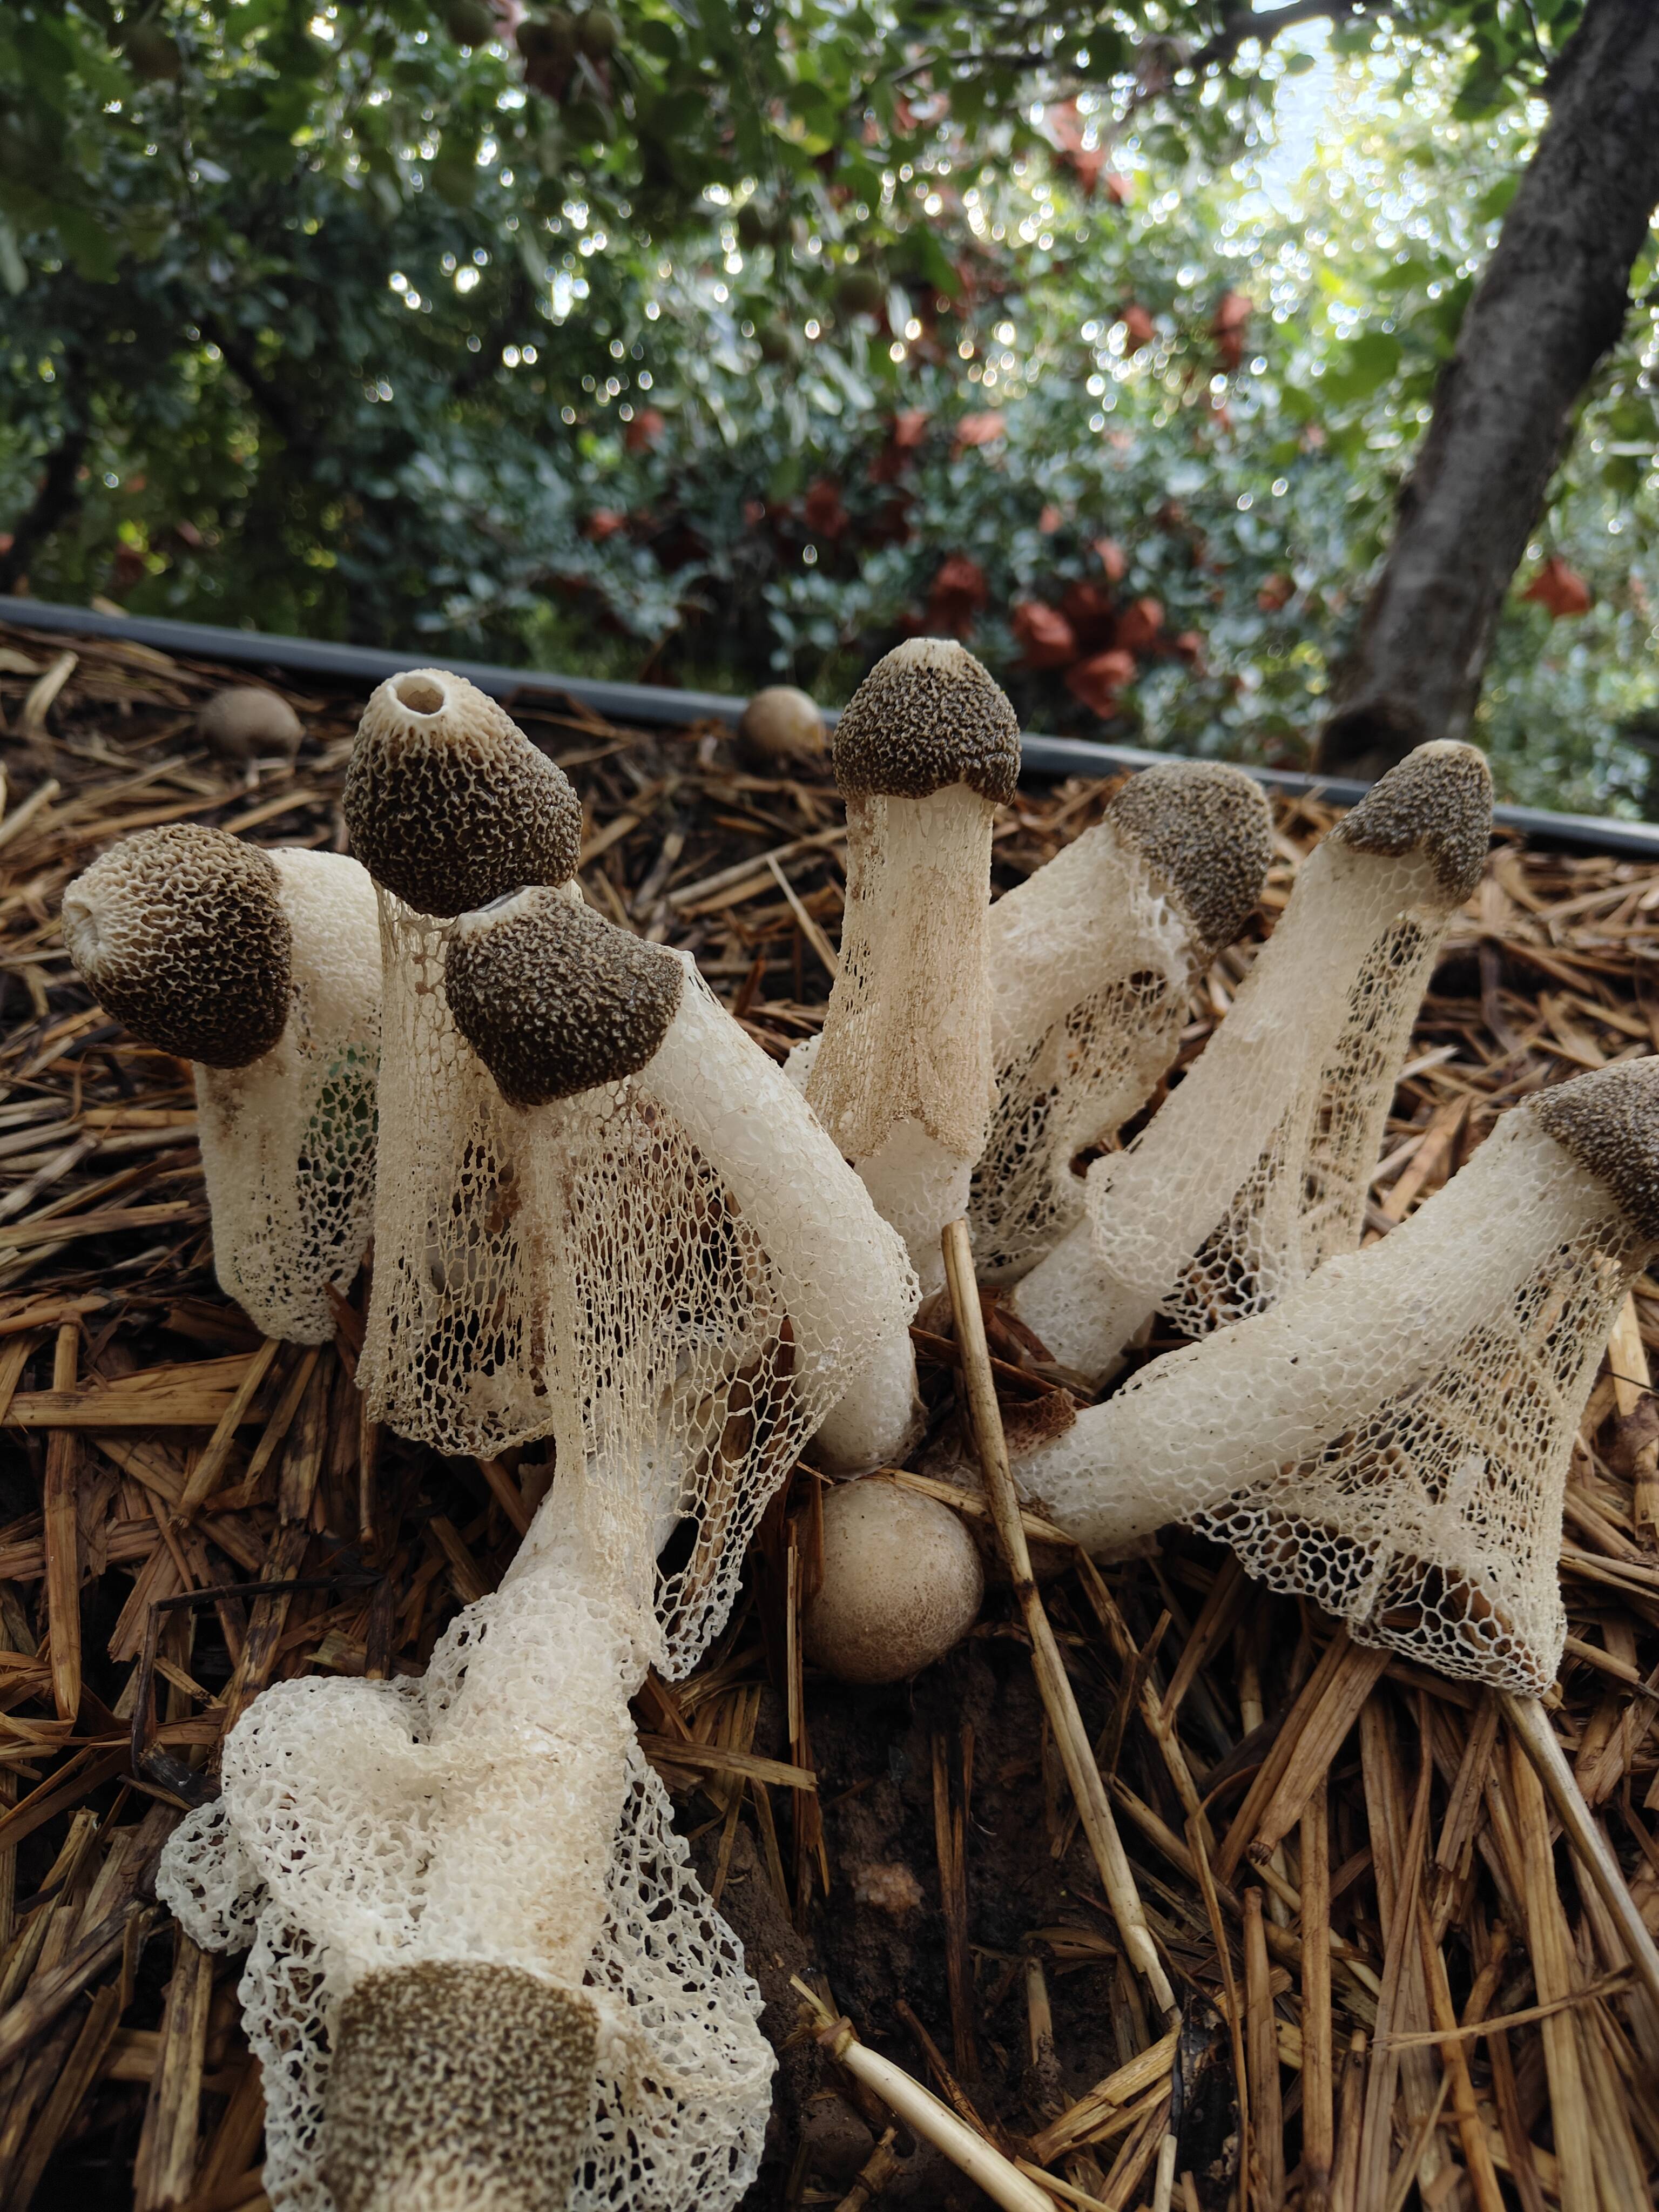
(482, 1970)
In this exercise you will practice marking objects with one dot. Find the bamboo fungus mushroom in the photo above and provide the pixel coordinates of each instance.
(1090, 959)
(903, 1078)
(1393, 1438)
(710, 1273)
(263, 969)
(1256, 1167)
(450, 805)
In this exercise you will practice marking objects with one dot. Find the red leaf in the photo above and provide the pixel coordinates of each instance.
(1559, 589)
(754, 512)
(1048, 639)
(910, 427)
(1278, 592)
(1232, 313)
(646, 427)
(1098, 682)
(1137, 626)
(1189, 645)
(1113, 559)
(603, 522)
(1050, 520)
(979, 430)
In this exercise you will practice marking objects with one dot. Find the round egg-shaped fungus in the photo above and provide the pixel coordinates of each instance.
(781, 725)
(246, 720)
(554, 999)
(182, 933)
(927, 716)
(901, 1586)
(448, 803)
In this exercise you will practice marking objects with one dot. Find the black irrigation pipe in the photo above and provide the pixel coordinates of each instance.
(648, 703)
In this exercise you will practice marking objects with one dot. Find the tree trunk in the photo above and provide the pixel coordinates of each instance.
(1552, 302)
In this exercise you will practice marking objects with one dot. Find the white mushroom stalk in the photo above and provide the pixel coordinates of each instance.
(483, 1971)
(1255, 1167)
(751, 1281)
(709, 1275)
(450, 806)
(1393, 1438)
(903, 1078)
(1092, 959)
(263, 969)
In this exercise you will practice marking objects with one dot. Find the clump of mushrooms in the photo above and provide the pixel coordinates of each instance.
(1392, 1439)
(1255, 1167)
(263, 969)
(712, 1276)
(1090, 962)
(902, 1076)
(450, 805)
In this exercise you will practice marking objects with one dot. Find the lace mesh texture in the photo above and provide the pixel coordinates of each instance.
(1089, 965)
(908, 1036)
(1256, 1166)
(451, 1357)
(498, 1810)
(288, 1142)
(1392, 1440)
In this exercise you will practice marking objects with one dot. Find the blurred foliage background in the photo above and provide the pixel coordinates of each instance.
(727, 341)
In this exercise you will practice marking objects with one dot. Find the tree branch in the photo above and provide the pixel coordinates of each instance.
(1240, 25)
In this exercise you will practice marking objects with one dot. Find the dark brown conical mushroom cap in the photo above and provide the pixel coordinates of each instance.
(1609, 1121)
(554, 999)
(182, 932)
(927, 716)
(1206, 832)
(456, 2083)
(1438, 800)
(448, 803)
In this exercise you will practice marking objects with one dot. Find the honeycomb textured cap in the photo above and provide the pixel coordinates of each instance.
(926, 716)
(448, 803)
(1207, 830)
(1609, 1121)
(554, 999)
(456, 2084)
(1438, 799)
(182, 933)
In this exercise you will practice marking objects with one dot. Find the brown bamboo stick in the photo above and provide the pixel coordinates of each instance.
(1266, 2177)
(1318, 2111)
(1551, 1953)
(63, 1537)
(1070, 1737)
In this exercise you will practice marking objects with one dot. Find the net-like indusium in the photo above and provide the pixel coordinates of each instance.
(712, 1276)
(1090, 961)
(904, 1077)
(1256, 1166)
(452, 806)
(264, 970)
(497, 1813)
(1393, 1438)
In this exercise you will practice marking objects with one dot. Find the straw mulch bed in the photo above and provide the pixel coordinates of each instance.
(914, 1851)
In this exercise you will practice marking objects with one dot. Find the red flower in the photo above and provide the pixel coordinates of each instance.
(1113, 559)
(1138, 325)
(1137, 626)
(978, 430)
(1559, 589)
(959, 592)
(821, 510)
(1098, 682)
(1089, 610)
(1228, 325)
(1048, 639)
(646, 427)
